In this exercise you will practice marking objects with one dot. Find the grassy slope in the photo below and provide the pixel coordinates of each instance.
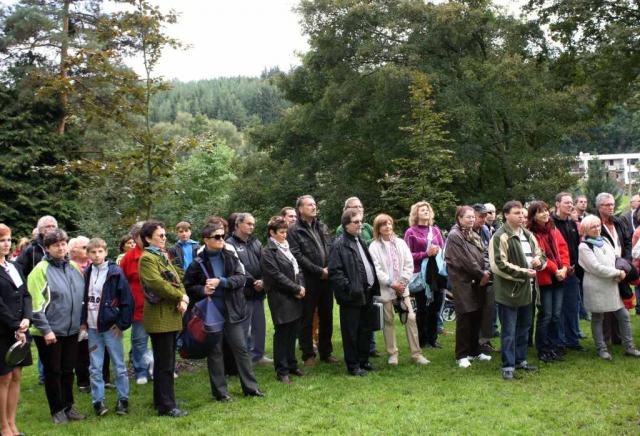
(582, 394)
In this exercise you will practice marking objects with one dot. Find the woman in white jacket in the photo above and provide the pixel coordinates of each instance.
(598, 259)
(394, 267)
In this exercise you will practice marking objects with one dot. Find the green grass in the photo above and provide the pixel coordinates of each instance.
(582, 394)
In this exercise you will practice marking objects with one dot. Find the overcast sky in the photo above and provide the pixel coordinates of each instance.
(238, 37)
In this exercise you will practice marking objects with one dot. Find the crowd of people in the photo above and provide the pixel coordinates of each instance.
(536, 273)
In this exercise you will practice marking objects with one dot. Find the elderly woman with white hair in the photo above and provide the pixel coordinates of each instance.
(597, 256)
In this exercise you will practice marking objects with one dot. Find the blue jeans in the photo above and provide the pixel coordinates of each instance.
(97, 343)
(141, 356)
(549, 316)
(514, 335)
(570, 325)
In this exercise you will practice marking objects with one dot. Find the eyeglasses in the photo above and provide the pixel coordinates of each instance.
(216, 237)
(162, 236)
(491, 212)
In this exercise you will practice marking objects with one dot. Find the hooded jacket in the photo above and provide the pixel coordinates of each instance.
(116, 302)
(57, 293)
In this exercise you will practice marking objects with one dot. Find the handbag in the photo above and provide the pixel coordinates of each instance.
(631, 276)
(378, 316)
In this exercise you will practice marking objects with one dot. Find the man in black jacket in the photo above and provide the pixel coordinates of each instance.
(34, 252)
(310, 242)
(353, 278)
(249, 250)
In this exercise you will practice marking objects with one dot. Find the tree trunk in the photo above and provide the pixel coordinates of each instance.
(64, 49)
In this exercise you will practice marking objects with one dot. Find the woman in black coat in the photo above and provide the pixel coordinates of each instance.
(284, 285)
(15, 315)
(217, 273)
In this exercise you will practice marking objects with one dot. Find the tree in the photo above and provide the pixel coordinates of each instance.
(598, 181)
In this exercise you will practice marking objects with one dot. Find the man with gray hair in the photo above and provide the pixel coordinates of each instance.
(367, 229)
(35, 251)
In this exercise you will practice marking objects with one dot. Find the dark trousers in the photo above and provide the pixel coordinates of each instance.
(488, 316)
(236, 338)
(284, 347)
(427, 317)
(58, 361)
(164, 358)
(467, 334)
(82, 365)
(319, 295)
(549, 318)
(355, 327)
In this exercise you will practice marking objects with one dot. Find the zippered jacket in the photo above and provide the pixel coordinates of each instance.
(116, 302)
(57, 292)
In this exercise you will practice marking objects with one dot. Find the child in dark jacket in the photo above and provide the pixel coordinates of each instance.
(107, 313)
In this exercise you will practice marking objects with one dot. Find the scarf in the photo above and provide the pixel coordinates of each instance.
(596, 242)
(393, 258)
(284, 249)
(470, 236)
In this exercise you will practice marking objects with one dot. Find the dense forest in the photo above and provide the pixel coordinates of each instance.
(395, 101)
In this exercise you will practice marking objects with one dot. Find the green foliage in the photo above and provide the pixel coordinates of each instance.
(598, 181)
(240, 100)
(35, 179)
(423, 174)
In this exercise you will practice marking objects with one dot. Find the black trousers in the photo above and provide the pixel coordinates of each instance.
(319, 295)
(427, 317)
(236, 338)
(467, 333)
(83, 362)
(58, 361)
(164, 358)
(355, 326)
(284, 347)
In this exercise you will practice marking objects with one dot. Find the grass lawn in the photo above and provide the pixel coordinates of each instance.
(582, 394)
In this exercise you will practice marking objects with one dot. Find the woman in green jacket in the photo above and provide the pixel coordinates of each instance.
(165, 301)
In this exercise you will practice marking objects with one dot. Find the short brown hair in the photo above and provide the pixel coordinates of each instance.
(378, 222)
(276, 223)
(511, 204)
(183, 225)
(96, 243)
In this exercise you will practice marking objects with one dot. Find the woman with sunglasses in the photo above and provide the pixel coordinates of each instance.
(216, 272)
(468, 268)
(394, 267)
(165, 301)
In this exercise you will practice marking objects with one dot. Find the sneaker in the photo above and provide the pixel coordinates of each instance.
(60, 418)
(122, 407)
(109, 386)
(84, 389)
(174, 413)
(74, 415)
(264, 361)
(487, 348)
(526, 367)
(604, 354)
(634, 352)
(507, 374)
(481, 357)
(421, 360)
(141, 380)
(100, 408)
(393, 360)
(330, 359)
(175, 374)
(463, 363)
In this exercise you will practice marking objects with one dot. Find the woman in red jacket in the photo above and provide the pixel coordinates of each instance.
(550, 280)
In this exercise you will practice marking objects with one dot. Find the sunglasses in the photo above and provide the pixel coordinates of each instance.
(216, 237)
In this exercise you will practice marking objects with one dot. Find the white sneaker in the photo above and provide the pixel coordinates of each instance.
(463, 363)
(481, 357)
(421, 360)
(141, 380)
(393, 359)
(264, 361)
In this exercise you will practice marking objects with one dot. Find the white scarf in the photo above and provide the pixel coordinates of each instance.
(284, 249)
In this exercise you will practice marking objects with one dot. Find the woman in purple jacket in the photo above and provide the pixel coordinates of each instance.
(425, 241)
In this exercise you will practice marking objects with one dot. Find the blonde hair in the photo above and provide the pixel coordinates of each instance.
(96, 243)
(413, 215)
(587, 223)
(78, 240)
(378, 222)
